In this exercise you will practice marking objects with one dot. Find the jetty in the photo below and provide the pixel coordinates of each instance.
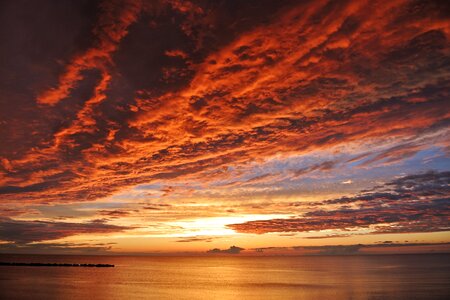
(24, 264)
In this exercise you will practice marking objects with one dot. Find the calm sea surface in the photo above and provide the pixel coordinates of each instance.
(318, 277)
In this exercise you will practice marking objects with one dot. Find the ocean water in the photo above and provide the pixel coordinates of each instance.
(230, 277)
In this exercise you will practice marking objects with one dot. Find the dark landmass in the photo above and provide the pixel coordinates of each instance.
(17, 264)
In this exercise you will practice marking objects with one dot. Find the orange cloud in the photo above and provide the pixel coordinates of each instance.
(310, 78)
(115, 18)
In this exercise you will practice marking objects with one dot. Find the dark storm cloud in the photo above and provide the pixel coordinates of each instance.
(414, 203)
(24, 232)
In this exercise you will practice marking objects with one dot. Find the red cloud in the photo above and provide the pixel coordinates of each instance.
(115, 18)
(310, 78)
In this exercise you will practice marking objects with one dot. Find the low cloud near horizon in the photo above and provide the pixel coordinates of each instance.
(413, 203)
(231, 250)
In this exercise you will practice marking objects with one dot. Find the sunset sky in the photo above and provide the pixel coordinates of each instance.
(279, 127)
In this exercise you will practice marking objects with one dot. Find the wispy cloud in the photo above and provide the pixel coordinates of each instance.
(24, 232)
(414, 203)
(353, 249)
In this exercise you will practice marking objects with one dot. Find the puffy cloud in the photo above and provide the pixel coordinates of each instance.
(231, 250)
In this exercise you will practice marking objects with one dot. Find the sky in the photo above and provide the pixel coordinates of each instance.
(203, 127)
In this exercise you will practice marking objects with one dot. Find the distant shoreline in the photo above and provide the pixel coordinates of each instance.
(19, 264)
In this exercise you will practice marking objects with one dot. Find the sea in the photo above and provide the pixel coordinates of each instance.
(229, 277)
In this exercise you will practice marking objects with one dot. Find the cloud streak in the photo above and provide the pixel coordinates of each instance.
(353, 249)
(24, 232)
(414, 203)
